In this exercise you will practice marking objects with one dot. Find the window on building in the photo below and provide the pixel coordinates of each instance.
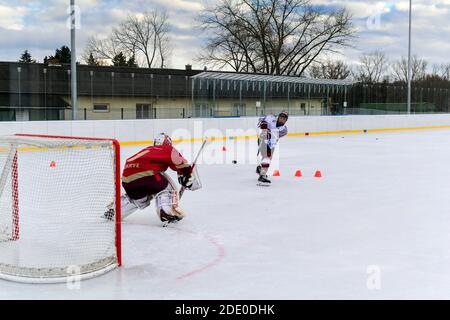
(7, 115)
(303, 108)
(42, 114)
(239, 109)
(101, 107)
(143, 111)
(202, 110)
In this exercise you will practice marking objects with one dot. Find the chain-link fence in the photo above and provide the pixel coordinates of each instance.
(42, 92)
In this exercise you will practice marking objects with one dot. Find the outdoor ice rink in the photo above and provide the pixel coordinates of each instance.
(375, 226)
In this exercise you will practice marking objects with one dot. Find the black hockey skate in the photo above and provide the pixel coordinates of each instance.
(109, 215)
(168, 219)
(263, 181)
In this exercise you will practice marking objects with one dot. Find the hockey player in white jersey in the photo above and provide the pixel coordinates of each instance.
(271, 129)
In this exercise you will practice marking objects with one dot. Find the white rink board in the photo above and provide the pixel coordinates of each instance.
(144, 130)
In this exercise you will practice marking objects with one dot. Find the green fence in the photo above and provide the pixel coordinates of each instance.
(397, 108)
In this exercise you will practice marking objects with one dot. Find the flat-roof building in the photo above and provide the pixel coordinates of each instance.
(43, 92)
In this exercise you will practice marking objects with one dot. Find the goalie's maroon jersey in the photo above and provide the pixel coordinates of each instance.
(152, 160)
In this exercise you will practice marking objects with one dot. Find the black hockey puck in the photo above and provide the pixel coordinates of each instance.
(234, 161)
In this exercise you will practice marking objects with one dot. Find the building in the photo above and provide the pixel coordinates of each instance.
(239, 94)
(43, 92)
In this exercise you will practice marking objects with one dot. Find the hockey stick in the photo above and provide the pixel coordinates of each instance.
(180, 193)
(183, 188)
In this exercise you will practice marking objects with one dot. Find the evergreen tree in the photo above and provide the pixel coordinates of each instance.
(120, 60)
(63, 55)
(132, 62)
(92, 61)
(26, 57)
(51, 60)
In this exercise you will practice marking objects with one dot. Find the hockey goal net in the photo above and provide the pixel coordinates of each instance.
(54, 192)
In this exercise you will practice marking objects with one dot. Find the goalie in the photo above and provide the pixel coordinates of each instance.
(144, 179)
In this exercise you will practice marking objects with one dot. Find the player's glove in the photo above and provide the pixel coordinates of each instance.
(263, 125)
(186, 181)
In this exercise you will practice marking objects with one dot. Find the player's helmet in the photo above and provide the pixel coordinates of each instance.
(283, 114)
(162, 139)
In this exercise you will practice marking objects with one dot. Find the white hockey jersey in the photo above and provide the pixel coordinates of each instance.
(276, 132)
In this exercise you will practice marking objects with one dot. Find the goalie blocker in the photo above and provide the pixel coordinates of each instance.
(144, 179)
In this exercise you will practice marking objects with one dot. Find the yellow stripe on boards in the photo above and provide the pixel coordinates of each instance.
(56, 148)
(302, 134)
(293, 134)
(408, 129)
(133, 143)
(223, 138)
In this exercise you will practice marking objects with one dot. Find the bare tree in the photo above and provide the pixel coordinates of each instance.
(237, 58)
(442, 70)
(144, 37)
(400, 69)
(330, 70)
(163, 41)
(372, 67)
(101, 49)
(281, 37)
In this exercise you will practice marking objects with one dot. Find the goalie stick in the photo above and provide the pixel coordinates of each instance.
(167, 223)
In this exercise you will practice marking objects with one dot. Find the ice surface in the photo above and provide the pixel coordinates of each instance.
(382, 204)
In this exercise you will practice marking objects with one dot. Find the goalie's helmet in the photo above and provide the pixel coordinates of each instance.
(162, 140)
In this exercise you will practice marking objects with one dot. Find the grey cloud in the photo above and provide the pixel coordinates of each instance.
(44, 28)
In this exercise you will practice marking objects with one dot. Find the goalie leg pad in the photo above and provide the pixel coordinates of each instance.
(129, 206)
(167, 207)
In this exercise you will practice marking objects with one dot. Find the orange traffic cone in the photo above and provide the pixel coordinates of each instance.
(52, 164)
(298, 173)
(318, 174)
(276, 173)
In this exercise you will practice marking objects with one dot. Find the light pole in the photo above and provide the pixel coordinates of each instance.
(409, 60)
(73, 62)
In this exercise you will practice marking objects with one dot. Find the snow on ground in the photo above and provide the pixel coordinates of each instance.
(375, 226)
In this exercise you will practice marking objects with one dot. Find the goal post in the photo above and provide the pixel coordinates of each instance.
(54, 192)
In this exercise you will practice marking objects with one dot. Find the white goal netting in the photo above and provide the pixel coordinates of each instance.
(53, 196)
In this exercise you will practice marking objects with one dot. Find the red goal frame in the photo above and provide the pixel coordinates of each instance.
(15, 186)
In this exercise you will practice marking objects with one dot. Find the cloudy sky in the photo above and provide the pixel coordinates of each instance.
(40, 26)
